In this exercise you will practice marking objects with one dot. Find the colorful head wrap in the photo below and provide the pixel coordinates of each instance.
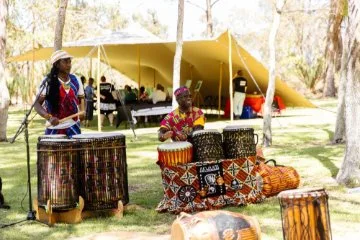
(180, 91)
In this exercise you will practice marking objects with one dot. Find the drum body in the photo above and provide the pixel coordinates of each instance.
(57, 168)
(207, 145)
(305, 214)
(239, 141)
(174, 153)
(102, 170)
(215, 225)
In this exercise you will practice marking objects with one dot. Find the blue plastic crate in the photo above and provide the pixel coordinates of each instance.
(247, 113)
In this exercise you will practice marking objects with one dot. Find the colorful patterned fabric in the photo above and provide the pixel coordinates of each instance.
(69, 94)
(199, 186)
(182, 122)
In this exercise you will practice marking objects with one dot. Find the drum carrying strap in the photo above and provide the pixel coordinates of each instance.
(274, 162)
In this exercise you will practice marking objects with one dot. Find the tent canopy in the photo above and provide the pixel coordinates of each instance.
(201, 60)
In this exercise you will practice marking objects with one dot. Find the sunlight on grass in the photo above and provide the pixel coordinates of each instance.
(301, 139)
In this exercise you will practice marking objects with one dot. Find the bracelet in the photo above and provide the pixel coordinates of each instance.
(48, 116)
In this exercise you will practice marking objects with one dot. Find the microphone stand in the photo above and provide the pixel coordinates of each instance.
(31, 215)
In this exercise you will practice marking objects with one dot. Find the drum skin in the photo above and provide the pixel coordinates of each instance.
(215, 225)
(305, 214)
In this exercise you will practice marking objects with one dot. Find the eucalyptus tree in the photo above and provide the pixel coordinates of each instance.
(4, 92)
(349, 173)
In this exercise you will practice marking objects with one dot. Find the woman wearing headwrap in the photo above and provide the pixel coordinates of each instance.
(62, 96)
(178, 124)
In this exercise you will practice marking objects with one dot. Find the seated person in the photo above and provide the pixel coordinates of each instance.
(181, 122)
(143, 97)
(158, 95)
(130, 96)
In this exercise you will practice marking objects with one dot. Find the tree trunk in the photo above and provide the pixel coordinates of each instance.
(209, 23)
(178, 51)
(4, 92)
(333, 47)
(60, 25)
(267, 135)
(339, 135)
(349, 173)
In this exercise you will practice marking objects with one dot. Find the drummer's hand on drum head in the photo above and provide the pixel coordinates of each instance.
(54, 121)
(182, 136)
(168, 135)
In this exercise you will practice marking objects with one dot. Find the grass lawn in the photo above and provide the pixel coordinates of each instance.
(301, 138)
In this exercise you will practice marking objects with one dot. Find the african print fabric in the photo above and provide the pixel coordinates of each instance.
(199, 186)
(181, 122)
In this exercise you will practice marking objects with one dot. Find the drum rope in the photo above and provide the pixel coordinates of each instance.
(78, 149)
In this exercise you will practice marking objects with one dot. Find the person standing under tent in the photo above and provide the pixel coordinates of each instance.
(240, 86)
(89, 102)
(62, 96)
(107, 101)
(181, 122)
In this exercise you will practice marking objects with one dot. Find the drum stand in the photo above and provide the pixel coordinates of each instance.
(31, 215)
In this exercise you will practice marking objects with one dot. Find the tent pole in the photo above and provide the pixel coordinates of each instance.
(191, 71)
(230, 80)
(154, 77)
(98, 89)
(220, 86)
(139, 68)
(90, 67)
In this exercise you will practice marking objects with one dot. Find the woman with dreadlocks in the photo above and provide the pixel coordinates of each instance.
(62, 96)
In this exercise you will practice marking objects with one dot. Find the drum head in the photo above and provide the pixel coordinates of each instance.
(50, 140)
(174, 146)
(97, 135)
(304, 192)
(54, 136)
(205, 131)
(237, 128)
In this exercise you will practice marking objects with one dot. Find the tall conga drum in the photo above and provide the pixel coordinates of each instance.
(305, 214)
(215, 225)
(102, 170)
(239, 141)
(174, 153)
(207, 145)
(57, 167)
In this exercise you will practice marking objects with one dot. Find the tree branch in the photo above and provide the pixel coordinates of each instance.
(214, 3)
(194, 4)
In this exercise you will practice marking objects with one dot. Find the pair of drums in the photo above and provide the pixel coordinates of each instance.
(90, 165)
(305, 214)
(235, 142)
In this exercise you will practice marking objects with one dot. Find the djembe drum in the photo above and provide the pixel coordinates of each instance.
(239, 141)
(207, 145)
(57, 168)
(215, 225)
(174, 153)
(305, 214)
(103, 170)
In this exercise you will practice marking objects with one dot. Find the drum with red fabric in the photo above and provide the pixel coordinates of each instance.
(215, 225)
(174, 153)
(103, 170)
(305, 214)
(57, 168)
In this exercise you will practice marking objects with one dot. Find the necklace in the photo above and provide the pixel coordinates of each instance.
(66, 85)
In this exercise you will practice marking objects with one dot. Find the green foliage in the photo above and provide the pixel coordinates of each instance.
(308, 73)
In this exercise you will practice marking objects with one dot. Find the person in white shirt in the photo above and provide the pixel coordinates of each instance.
(158, 95)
